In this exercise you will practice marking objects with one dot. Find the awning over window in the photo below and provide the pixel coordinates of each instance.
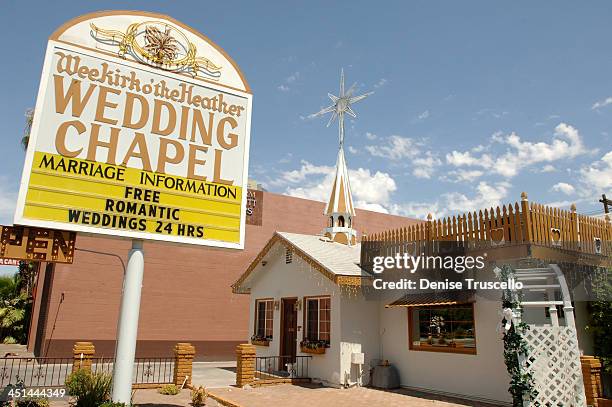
(434, 298)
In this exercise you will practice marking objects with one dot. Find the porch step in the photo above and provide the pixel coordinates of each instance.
(530, 277)
(536, 269)
(540, 286)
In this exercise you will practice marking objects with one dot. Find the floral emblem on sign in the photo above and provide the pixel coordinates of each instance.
(159, 44)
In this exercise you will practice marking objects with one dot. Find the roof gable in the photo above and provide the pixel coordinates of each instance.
(338, 262)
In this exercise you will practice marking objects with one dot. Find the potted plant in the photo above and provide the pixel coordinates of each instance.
(260, 340)
(314, 347)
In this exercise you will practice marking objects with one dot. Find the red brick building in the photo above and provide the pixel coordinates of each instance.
(186, 294)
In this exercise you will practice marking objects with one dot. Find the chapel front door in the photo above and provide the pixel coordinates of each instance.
(288, 344)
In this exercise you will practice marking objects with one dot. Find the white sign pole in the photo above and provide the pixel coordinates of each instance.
(128, 325)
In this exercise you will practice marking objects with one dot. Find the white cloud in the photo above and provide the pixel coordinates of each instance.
(371, 136)
(485, 196)
(397, 148)
(353, 150)
(8, 200)
(293, 77)
(496, 114)
(519, 154)
(286, 159)
(307, 169)
(602, 103)
(461, 159)
(423, 115)
(371, 190)
(563, 187)
(548, 168)
(597, 177)
(415, 209)
(424, 167)
(462, 175)
(374, 191)
(382, 82)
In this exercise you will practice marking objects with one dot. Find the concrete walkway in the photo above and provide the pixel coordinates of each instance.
(214, 374)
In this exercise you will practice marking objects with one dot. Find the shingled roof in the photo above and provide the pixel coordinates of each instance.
(338, 262)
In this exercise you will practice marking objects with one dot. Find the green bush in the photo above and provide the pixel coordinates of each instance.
(169, 390)
(32, 402)
(89, 389)
(198, 397)
(113, 404)
(600, 312)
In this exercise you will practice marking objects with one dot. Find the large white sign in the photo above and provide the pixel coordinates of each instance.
(141, 129)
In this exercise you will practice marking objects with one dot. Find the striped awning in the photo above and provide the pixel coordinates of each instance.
(434, 298)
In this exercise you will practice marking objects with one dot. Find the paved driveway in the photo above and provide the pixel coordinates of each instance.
(308, 396)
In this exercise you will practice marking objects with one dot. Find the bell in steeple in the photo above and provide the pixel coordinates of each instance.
(339, 210)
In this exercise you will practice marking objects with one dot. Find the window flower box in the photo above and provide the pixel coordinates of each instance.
(315, 347)
(259, 340)
(314, 351)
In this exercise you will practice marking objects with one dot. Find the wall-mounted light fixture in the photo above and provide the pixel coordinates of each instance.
(276, 305)
(298, 305)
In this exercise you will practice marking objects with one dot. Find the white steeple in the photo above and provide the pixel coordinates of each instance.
(339, 209)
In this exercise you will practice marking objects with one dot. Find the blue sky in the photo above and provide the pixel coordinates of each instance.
(474, 101)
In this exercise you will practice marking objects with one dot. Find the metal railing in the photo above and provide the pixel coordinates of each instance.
(53, 372)
(146, 370)
(281, 367)
(35, 372)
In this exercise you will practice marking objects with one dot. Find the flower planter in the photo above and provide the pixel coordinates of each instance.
(315, 351)
(260, 342)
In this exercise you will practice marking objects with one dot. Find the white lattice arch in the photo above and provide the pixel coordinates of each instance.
(554, 356)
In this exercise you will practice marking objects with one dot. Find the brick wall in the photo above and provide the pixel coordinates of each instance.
(186, 294)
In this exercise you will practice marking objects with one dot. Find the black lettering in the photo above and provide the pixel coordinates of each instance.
(73, 215)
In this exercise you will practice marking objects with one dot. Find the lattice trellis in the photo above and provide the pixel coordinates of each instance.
(554, 362)
(553, 359)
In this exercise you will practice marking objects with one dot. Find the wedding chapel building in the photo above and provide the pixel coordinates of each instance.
(312, 307)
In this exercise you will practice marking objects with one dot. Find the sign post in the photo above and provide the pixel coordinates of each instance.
(141, 130)
(127, 329)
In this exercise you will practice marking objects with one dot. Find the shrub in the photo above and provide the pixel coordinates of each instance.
(113, 404)
(32, 402)
(89, 389)
(198, 397)
(169, 390)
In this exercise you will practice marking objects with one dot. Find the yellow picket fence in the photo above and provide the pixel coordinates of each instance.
(520, 223)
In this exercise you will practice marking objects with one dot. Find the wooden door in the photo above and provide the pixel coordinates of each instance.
(288, 344)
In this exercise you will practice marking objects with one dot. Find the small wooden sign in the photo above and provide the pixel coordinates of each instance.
(37, 244)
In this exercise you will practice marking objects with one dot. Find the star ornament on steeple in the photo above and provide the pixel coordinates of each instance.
(341, 106)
